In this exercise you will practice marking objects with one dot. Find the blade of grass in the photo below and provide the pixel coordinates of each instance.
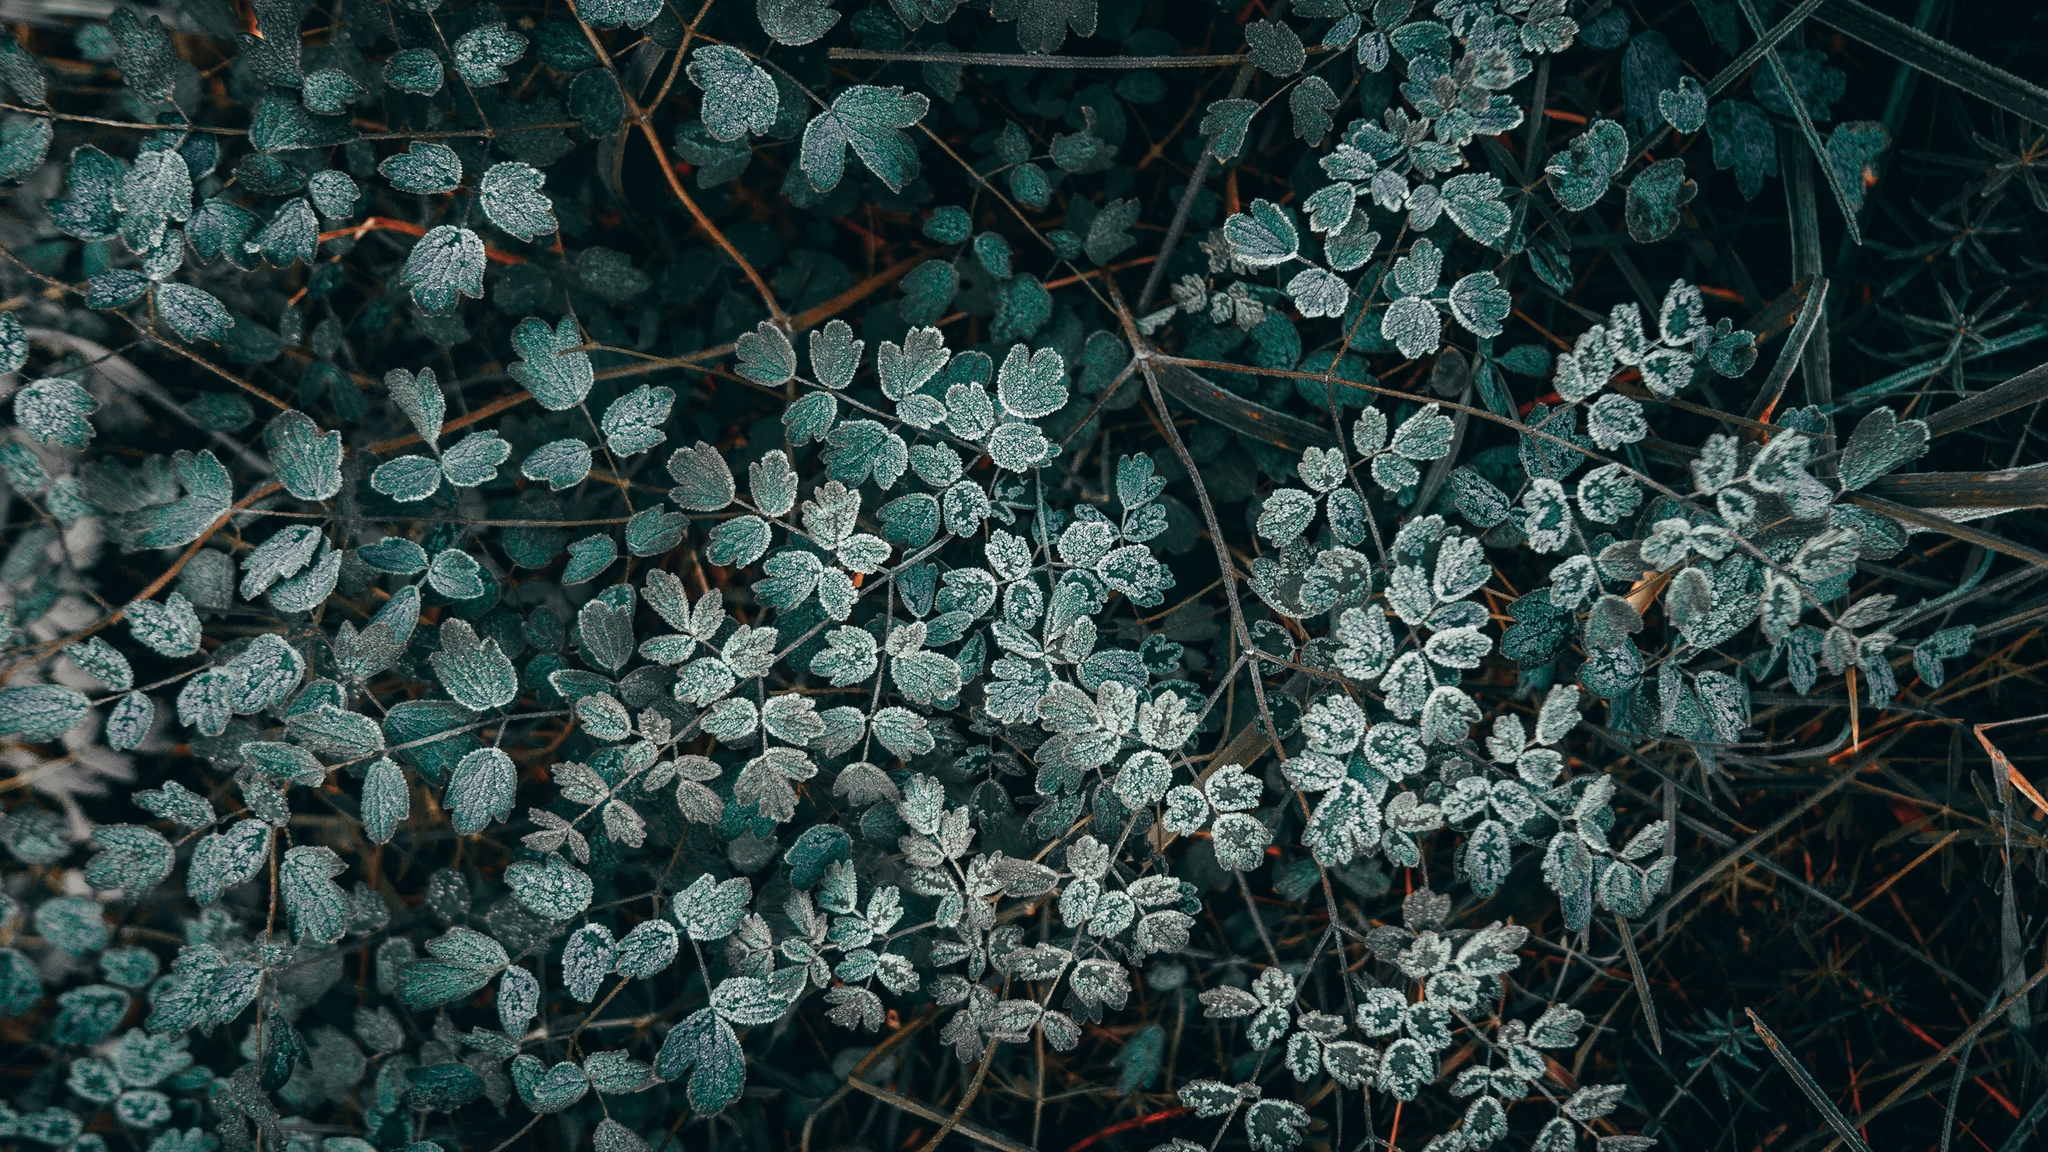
(2006, 488)
(1635, 968)
(1943, 61)
(1740, 66)
(1239, 414)
(1928, 1066)
(1808, 1085)
(1806, 129)
(1947, 527)
(1032, 60)
(2027, 388)
(1810, 313)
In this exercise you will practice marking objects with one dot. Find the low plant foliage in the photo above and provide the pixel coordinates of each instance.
(1085, 571)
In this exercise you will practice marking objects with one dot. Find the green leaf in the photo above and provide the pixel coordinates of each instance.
(293, 234)
(739, 95)
(1473, 203)
(75, 926)
(1023, 306)
(334, 193)
(1042, 24)
(1684, 107)
(21, 983)
(474, 459)
(562, 463)
(545, 1089)
(224, 859)
(1654, 198)
(632, 423)
(738, 542)
(169, 629)
(408, 479)
(13, 343)
(209, 494)
(1413, 325)
(949, 224)
(795, 22)
(424, 168)
(103, 662)
(557, 377)
(219, 228)
(1580, 174)
(482, 53)
(117, 288)
(191, 312)
(1224, 124)
(419, 397)
(1881, 443)
(415, 70)
(1311, 101)
(1263, 237)
(1317, 293)
(308, 462)
(511, 196)
(23, 144)
(476, 673)
(588, 557)
(1274, 48)
(1032, 385)
(1480, 304)
(40, 712)
(282, 124)
(20, 70)
(810, 418)
(316, 905)
(868, 120)
(54, 411)
(144, 52)
(552, 890)
(329, 91)
(765, 356)
(457, 575)
(716, 163)
(835, 354)
(704, 482)
(442, 1087)
(1745, 141)
(650, 948)
(336, 732)
(615, 13)
(93, 178)
(858, 449)
(1853, 148)
(1109, 232)
(587, 958)
(131, 857)
(480, 790)
(445, 265)
(1275, 1125)
(595, 100)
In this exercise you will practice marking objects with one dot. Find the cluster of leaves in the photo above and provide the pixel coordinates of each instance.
(610, 564)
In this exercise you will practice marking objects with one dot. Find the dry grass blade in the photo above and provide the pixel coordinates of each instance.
(893, 1100)
(1808, 1085)
(1944, 62)
(2022, 391)
(1947, 527)
(1635, 968)
(1227, 408)
(2007, 488)
(1773, 390)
